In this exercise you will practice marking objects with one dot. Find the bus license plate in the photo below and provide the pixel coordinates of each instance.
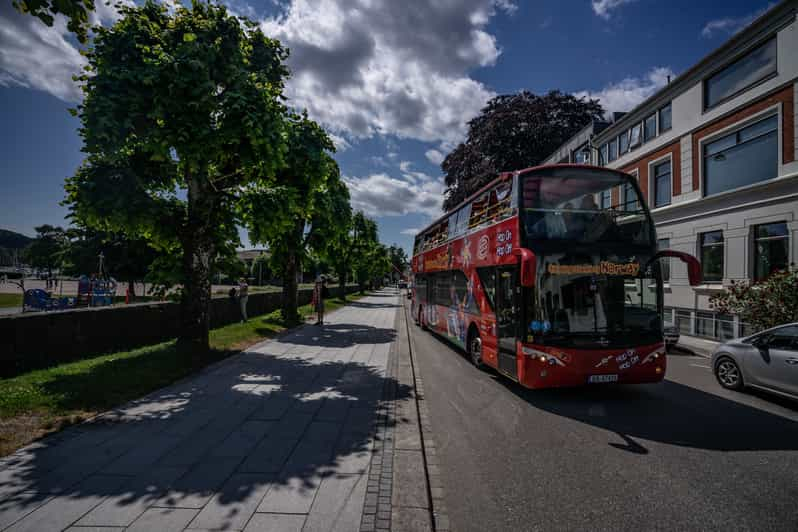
(603, 378)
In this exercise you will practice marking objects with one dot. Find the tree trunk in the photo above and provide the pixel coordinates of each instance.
(131, 288)
(342, 284)
(197, 253)
(290, 269)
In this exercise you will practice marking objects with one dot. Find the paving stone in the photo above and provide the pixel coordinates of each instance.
(163, 520)
(291, 426)
(242, 440)
(275, 523)
(268, 456)
(291, 495)
(194, 489)
(135, 497)
(143, 456)
(274, 408)
(410, 480)
(338, 506)
(63, 510)
(16, 506)
(231, 508)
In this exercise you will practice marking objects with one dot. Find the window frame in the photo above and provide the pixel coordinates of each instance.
(635, 143)
(624, 135)
(702, 246)
(660, 129)
(610, 143)
(757, 239)
(646, 138)
(665, 262)
(735, 129)
(653, 180)
(737, 59)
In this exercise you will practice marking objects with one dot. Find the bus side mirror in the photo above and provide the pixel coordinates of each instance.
(693, 266)
(528, 266)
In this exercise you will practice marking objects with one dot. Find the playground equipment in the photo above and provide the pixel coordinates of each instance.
(36, 299)
(96, 292)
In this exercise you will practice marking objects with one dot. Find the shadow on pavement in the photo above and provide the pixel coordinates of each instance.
(340, 335)
(669, 413)
(280, 418)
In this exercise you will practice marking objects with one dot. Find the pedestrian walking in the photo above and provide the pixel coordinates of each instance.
(243, 297)
(318, 299)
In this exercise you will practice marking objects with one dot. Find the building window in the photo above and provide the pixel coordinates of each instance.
(662, 184)
(712, 256)
(634, 136)
(581, 155)
(771, 249)
(650, 128)
(747, 156)
(623, 143)
(753, 67)
(629, 197)
(664, 118)
(612, 147)
(664, 264)
(603, 155)
(606, 198)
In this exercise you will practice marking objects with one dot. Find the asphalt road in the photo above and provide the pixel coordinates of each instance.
(679, 455)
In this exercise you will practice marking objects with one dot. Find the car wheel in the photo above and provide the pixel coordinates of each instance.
(728, 374)
(475, 350)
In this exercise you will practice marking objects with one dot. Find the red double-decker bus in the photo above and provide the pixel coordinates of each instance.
(551, 276)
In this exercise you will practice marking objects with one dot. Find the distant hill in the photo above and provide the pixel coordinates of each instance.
(12, 240)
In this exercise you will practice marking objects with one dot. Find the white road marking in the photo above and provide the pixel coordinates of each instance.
(700, 366)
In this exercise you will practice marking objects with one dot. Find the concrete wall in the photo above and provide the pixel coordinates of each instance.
(42, 339)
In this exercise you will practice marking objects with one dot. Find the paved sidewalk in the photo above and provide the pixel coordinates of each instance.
(281, 437)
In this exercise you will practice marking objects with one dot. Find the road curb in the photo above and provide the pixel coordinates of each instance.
(438, 510)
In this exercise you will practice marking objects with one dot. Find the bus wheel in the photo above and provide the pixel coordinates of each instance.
(475, 349)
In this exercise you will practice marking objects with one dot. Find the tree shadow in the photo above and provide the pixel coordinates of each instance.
(367, 305)
(667, 412)
(278, 420)
(341, 335)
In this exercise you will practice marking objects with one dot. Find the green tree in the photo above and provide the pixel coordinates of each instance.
(363, 248)
(512, 132)
(765, 304)
(76, 12)
(46, 251)
(297, 214)
(398, 259)
(182, 115)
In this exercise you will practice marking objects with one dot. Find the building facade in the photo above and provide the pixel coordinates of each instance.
(716, 158)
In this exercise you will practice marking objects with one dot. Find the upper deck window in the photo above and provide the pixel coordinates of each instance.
(753, 67)
(561, 205)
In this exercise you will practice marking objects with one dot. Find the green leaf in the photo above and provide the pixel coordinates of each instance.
(189, 37)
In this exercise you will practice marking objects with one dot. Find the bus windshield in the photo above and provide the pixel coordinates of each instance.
(612, 301)
(578, 206)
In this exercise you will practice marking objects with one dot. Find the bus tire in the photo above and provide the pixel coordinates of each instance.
(475, 348)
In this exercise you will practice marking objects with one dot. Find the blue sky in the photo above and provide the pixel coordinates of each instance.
(394, 82)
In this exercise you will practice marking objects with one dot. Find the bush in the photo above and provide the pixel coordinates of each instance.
(765, 304)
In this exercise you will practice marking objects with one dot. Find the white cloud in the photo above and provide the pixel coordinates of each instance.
(732, 25)
(383, 195)
(341, 144)
(37, 56)
(382, 67)
(626, 94)
(412, 231)
(434, 156)
(603, 8)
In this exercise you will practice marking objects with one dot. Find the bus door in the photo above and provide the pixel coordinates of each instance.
(507, 318)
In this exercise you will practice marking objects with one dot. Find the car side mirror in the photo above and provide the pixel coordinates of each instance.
(694, 275)
(528, 266)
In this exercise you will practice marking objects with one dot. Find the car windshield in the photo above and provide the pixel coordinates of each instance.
(583, 206)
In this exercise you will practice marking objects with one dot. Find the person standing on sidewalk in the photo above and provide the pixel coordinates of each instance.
(243, 297)
(318, 299)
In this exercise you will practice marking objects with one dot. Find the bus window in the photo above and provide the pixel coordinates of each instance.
(479, 211)
(487, 278)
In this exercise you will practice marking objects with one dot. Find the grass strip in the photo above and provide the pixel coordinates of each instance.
(42, 401)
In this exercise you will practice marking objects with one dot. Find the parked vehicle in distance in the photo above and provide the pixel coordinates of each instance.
(767, 360)
(671, 334)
